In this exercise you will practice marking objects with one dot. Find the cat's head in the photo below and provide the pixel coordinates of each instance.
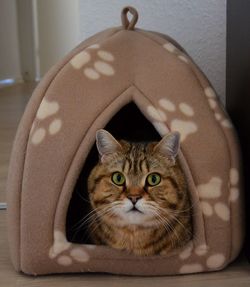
(136, 183)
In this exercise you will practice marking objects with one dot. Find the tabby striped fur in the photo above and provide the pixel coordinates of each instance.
(159, 220)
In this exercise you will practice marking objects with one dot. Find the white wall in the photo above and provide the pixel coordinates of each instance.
(199, 26)
(9, 49)
(27, 48)
(57, 30)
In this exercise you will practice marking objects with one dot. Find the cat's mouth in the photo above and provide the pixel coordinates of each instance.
(134, 209)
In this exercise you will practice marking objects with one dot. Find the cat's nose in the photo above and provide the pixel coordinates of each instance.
(134, 198)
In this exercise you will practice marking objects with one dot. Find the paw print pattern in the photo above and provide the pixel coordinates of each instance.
(186, 253)
(199, 250)
(173, 49)
(46, 109)
(94, 70)
(233, 183)
(61, 245)
(210, 191)
(211, 204)
(213, 261)
(205, 259)
(209, 92)
(159, 117)
(211, 97)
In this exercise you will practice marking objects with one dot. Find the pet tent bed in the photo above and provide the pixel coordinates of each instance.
(126, 80)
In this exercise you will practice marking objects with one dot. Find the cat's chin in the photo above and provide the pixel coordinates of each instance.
(134, 218)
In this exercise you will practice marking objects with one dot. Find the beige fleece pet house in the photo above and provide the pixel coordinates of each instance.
(83, 93)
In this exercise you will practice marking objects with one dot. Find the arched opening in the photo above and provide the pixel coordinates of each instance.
(128, 124)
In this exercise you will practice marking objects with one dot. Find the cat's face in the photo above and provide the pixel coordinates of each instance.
(136, 184)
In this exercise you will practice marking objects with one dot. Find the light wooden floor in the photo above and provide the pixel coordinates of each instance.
(12, 103)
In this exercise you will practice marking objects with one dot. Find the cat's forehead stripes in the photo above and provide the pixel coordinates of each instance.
(144, 166)
(127, 165)
(136, 159)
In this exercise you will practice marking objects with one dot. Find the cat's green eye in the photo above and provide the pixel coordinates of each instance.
(118, 178)
(153, 179)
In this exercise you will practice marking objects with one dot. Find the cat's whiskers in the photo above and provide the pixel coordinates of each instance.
(82, 219)
(167, 228)
(166, 225)
(172, 229)
(173, 214)
(156, 210)
(97, 223)
(93, 213)
(103, 210)
(186, 210)
(85, 220)
(84, 199)
(91, 217)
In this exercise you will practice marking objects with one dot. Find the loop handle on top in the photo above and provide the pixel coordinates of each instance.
(129, 25)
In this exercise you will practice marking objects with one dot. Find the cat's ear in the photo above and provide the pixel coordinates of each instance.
(106, 143)
(169, 145)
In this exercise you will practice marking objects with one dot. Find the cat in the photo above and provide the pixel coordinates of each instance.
(139, 196)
